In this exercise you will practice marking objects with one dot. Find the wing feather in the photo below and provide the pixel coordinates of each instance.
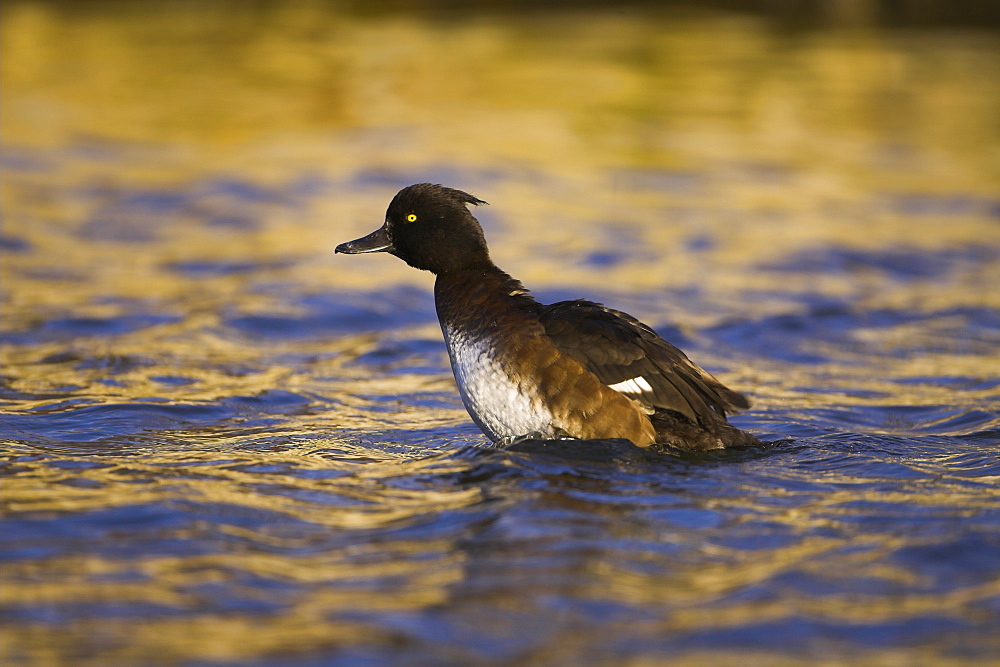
(631, 358)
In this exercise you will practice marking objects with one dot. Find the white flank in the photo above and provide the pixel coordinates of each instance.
(494, 401)
(636, 385)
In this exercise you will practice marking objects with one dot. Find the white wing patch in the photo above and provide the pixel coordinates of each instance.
(636, 385)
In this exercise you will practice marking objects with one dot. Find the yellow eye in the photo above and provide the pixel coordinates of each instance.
(411, 217)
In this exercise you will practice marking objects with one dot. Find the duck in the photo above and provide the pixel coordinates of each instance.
(568, 370)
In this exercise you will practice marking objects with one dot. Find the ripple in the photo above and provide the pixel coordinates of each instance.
(210, 433)
(900, 263)
(75, 421)
(71, 328)
(209, 268)
(338, 313)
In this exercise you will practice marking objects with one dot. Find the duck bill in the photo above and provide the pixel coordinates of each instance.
(377, 241)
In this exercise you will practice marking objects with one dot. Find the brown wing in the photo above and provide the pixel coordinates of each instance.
(631, 358)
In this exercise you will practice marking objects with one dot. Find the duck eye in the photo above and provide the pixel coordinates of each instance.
(411, 217)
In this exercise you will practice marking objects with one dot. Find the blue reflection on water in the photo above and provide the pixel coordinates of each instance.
(260, 447)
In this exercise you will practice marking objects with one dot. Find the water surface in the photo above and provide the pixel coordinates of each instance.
(223, 445)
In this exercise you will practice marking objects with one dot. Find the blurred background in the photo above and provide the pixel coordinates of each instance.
(830, 114)
(215, 429)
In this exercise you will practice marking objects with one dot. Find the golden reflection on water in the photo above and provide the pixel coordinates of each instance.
(584, 89)
(608, 128)
(327, 574)
(334, 579)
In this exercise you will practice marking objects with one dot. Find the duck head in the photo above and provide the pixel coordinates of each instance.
(429, 227)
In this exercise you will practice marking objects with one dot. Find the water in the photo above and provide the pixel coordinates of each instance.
(223, 445)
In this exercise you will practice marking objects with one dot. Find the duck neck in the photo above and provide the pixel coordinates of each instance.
(484, 299)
